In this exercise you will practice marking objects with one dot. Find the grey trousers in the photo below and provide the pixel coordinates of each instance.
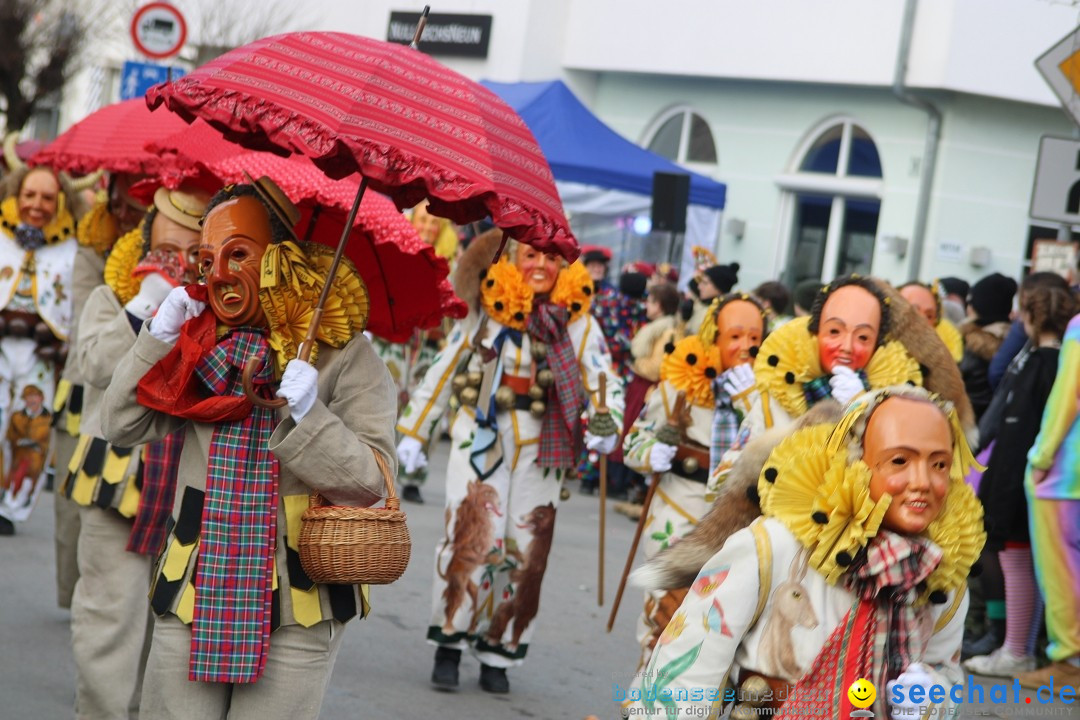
(110, 619)
(66, 535)
(291, 688)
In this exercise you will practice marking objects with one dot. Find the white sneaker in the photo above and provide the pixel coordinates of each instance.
(1000, 663)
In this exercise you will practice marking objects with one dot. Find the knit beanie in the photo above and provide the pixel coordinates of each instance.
(992, 298)
(724, 277)
(955, 286)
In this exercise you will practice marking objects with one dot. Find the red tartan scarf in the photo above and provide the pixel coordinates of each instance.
(161, 460)
(560, 433)
(230, 629)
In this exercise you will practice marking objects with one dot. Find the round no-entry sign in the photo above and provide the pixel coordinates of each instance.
(159, 30)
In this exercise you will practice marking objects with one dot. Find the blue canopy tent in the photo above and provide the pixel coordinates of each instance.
(605, 180)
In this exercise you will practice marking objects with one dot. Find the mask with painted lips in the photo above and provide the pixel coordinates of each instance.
(848, 328)
(922, 300)
(908, 447)
(174, 251)
(39, 198)
(739, 327)
(540, 270)
(234, 238)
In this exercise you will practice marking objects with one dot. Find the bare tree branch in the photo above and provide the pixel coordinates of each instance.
(218, 27)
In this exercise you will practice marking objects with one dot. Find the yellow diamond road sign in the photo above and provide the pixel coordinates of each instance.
(1060, 66)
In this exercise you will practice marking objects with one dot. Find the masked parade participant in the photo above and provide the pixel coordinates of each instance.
(712, 371)
(523, 364)
(927, 300)
(248, 634)
(123, 504)
(37, 250)
(97, 232)
(857, 569)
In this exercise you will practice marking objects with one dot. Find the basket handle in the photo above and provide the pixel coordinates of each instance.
(392, 503)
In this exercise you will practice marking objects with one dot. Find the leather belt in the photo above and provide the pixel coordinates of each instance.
(520, 385)
(697, 470)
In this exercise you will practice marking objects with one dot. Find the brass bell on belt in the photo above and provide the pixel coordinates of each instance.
(537, 408)
(545, 378)
(536, 392)
(504, 398)
(458, 383)
(474, 378)
(755, 691)
(690, 465)
(538, 350)
(469, 396)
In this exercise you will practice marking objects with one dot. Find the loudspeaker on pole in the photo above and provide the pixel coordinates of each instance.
(670, 196)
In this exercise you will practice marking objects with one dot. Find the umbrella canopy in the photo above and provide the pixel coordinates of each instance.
(406, 281)
(112, 138)
(414, 128)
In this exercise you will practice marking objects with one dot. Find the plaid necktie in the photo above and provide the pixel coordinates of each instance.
(230, 630)
(560, 436)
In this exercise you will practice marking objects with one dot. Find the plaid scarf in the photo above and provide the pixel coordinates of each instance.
(230, 631)
(161, 460)
(725, 427)
(880, 633)
(819, 388)
(560, 434)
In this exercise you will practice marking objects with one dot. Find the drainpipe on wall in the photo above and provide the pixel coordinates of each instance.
(933, 136)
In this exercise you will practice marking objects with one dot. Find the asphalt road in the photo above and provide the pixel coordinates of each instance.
(385, 662)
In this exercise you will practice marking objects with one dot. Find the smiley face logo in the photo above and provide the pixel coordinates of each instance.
(862, 693)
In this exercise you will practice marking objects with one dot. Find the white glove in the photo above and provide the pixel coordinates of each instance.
(737, 380)
(916, 674)
(410, 453)
(603, 444)
(845, 384)
(300, 387)
(176, 309)
(154, 289)
(660, 456)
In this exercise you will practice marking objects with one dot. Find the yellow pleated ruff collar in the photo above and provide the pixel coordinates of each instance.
(508, 299)
(61, 228)
(126, 253)
(952, 338)
(789, 357)
(812, 485)
(97, 229)
(691, 367)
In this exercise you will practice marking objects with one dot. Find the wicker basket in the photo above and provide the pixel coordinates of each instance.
(350, 545)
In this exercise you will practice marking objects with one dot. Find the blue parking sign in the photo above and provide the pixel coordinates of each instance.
(138, 77)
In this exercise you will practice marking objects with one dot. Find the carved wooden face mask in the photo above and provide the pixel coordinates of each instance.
(39, 198)
(739, 327)
(922, 300)
(174, 250)
(540, 270)
(908, 448)
(234, 238)
(848, 328)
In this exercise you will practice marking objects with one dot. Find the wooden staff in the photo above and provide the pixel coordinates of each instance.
(674, 425)
(601, 409)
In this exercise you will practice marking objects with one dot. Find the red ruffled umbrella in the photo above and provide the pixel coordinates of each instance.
(411, 127)
(112, 138)
(406, 281)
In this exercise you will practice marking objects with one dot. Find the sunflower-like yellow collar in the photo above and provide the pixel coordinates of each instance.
(97, 229)
(811, 486)
(952, 338)
(789, 357)
(508, 299)
(125, 255)
(691, 367)
(61, 228)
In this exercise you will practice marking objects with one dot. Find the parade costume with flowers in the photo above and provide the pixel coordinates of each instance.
(817, 592)
(244, 612)
(693, 368)
(523, 367)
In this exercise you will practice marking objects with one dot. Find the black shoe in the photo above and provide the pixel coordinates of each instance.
(493, 680)
(445, 674)
(988, 643)
(411, 493)
(6, 526)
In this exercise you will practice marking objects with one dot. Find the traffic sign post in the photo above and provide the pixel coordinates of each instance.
(158, 30)
(136, 78)
(1056, 193)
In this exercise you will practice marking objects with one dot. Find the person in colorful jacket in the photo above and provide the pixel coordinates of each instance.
(249, 635)
(523, 364)
(712, 371)
(857, 569)
(927, 300)
(123, 507)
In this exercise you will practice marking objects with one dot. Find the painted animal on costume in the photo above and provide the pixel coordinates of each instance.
(791, 608)
(525, 603)
(474, 539)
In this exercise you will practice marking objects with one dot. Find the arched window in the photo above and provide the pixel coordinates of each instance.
(682, 136)
(833, 203)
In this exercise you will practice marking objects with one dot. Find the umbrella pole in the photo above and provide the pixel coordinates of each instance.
(316, 317)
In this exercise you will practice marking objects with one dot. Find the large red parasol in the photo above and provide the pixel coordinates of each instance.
(406, 281)
(411, 127)
(112, 138)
